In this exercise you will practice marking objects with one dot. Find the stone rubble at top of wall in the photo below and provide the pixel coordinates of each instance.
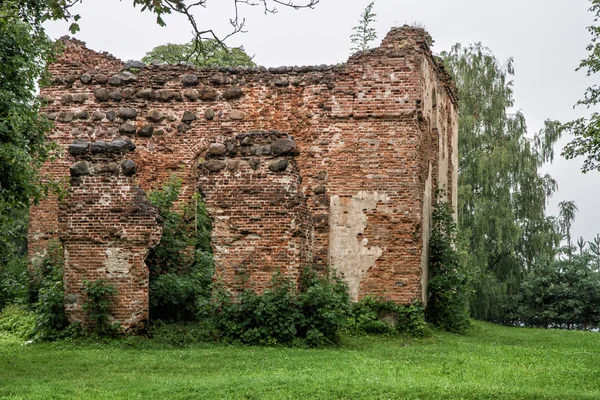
(112, 72)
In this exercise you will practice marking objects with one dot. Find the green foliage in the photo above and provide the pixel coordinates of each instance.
(35, 12)
(181, 265)
(13, 235)
(448, 306)
(40, 11)
(97, 305)
(566, 216)
(364, 33)
(267, 319)
(378, 316)
(559, 292)
(586, 142)
(18, 321)
(47, 295)
(502, 194)
(173, 297)
(594, 251)
(24, 50)
(587, 130)
(173, 253)
(205, 54)
(14, 282)
(50, 314)
(564, 294)
(324, 304)
(282, 314)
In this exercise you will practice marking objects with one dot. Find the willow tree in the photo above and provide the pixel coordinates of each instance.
(566, 216)
(502, 193)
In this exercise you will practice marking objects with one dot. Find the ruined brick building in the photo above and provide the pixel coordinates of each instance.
(297, 165)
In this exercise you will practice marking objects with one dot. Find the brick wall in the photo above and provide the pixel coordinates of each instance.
(107, 227)
(251, 184)
(353, 189)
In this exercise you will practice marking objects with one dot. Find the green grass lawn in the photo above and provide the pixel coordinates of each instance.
(489, 362)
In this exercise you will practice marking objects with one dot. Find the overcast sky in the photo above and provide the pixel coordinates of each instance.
(546, 38)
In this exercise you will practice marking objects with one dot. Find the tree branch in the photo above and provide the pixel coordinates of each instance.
(237, 22)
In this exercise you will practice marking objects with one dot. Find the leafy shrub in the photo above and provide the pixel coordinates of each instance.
(448, 306)
(174, 297)
(411, 320)
(181, 265)
(14, 282)
(324, 304)
(13, 249)
(47, 294)
(268, 318)
(282, 314)
(565, 294)
(18, 321)
(379, 316)
(99, 300)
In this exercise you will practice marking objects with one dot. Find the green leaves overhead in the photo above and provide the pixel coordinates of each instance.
(587, 130)
(38, 11)
(24, 52)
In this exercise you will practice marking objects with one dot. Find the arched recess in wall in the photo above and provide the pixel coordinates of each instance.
(180, 266)
(251, 184)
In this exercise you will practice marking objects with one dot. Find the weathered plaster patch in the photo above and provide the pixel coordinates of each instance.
(349, 253)
(105, 200)
(117, 260)
(337, 140)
